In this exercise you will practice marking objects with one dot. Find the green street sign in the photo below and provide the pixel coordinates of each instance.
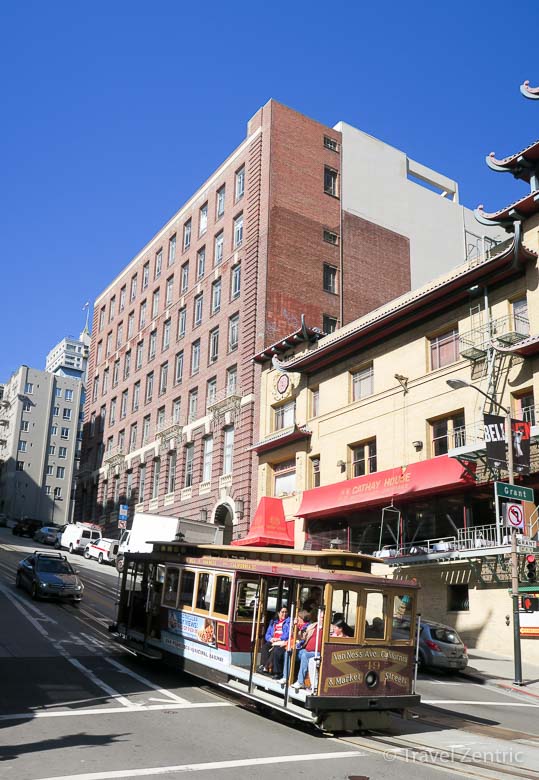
(513, 492)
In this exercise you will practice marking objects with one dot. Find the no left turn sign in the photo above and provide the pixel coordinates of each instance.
(515, 515)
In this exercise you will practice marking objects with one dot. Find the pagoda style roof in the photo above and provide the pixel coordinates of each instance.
(529, 92)
(518, 211)
(522, 165)
(301, 334)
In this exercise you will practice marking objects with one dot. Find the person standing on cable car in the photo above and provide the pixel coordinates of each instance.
(273, 650)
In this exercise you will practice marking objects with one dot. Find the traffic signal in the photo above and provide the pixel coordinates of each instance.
(530, 603)
(531, 568)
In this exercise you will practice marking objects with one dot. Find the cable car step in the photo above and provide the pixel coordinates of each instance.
(140, 648)
(270, 699)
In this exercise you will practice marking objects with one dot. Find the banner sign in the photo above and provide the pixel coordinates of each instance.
(495, 442)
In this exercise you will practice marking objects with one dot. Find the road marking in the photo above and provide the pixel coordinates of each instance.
(23, 608)
(100, 683)
(32, 714)
(486, 703)
(125, 670)
(209, 766)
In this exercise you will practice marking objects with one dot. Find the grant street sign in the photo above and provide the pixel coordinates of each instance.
(513, 492)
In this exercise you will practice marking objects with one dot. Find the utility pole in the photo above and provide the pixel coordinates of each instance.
(514, 558)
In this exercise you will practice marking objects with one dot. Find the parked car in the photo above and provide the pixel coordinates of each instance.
(440, 647)
(26, 527)
(49, 575)
(47, 534)
(103, 550)
(76, 536)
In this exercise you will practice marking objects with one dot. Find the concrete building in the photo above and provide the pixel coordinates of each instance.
(70, 356)
(39, 444)
(300, 219)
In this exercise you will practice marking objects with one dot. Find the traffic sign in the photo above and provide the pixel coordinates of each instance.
(513, 492)
(122, 524)
(515, 516)
(123, 512)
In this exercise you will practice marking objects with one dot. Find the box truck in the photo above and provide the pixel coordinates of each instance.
(148, 528)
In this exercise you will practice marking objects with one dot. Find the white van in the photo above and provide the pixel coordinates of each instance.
(103, 550)
(77, 535)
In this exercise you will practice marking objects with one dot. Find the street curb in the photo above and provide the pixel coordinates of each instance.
(517, 689)
(483, 678)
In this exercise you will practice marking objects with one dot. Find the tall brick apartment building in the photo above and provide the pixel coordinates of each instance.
(300, 219)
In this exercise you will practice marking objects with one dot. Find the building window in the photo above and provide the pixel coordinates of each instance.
(235, 281)
(197, 314)
(192, 404)
(146, 429)
(133, 437)
(207, 458)
(238, 231)
(284, 478)
(155, 303)
(169, 291)
(149, 387)
(214, 345)
(51, 449)
(458, 600)
(315, 402)
(187, 235)
(364, 458)
(447, 433)
(330, 181)
(171, 471)
(521, 322)
(101, 319)
(55, 411)
(211, 392)
(176, 409)
(112, 308)
(130, 324)
(231, 380)
(220, 202)
(525, 407)
(145, 275)
(362, 383)
(331, 143)
(329, 324)
(66, 414)
(444, 349)
(133, 292)
(99, 353)
(178, 371)
(54, 430)
(189, 461)
(112, 413)
(171, 250)
(233, 332)
(64, 433)
(62, 452)
(123, 404)
(216, 296)
(182, 320)
(195, 357)
(50, 469)
(27, 406)
(60, 472)
(160, 420)
(330, 237)
(166, 335)
(218, 248)
(184, 278)
(163, 378)
(284, 416)
(330, 278)
(142, 315)
(203, 219)
(139, 355)
(152, 345)
(25, 425)
(156, 475)
(240, 183)
(29, 388)
(201, 262)
(158, 264)
(141, 482)
(315, 471)
(22, 445)
(57, 492)
(108, 348)
(228, 449)
(115, 373)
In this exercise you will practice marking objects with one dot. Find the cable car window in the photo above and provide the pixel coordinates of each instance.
(170, 591)
(402, 617)
(310, 597)
(245, 599)
(204, 591)
(221, 602)
(375, 616)
(343, 614)
(186, 589)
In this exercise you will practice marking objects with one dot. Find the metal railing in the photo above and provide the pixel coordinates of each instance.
(506, 330)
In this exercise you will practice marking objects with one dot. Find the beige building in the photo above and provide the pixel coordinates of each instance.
(371, 450)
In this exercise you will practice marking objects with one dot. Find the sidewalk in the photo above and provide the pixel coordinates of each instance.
(499, 671)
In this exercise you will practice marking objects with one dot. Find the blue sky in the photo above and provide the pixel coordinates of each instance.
(113, 114)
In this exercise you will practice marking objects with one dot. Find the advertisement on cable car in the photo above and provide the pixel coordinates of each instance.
(194, 635)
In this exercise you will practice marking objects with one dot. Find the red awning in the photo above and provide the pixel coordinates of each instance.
(269, 527)
(418, 479)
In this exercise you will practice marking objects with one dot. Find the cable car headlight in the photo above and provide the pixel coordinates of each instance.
(371, 679)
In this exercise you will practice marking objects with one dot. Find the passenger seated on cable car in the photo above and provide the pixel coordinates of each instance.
(340, 628)
(272, 652)
(374, 630)
(310, 644)
(313, 600)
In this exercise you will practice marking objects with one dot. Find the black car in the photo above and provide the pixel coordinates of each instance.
(26, 527)
(49, 575)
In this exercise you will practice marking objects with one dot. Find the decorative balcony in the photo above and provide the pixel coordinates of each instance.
(115, 456)
(502, 331)
(169, 432)
(228, 399)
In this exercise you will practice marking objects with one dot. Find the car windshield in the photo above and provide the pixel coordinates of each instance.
(53, 566)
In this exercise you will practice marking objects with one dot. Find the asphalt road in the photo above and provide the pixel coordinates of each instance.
(73, 705)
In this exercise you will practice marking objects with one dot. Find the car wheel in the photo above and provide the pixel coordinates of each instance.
(100, 558)
(86, 553)
(18, 581)
(71, 549)
(34, 592)
(421, 663)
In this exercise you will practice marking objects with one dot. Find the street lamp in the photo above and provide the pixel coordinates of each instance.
(457, 384)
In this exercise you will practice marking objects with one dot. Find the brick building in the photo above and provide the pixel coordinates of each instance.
(300, 219)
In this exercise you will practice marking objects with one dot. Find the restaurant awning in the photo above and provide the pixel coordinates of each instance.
(415, 480)
(269, 527)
